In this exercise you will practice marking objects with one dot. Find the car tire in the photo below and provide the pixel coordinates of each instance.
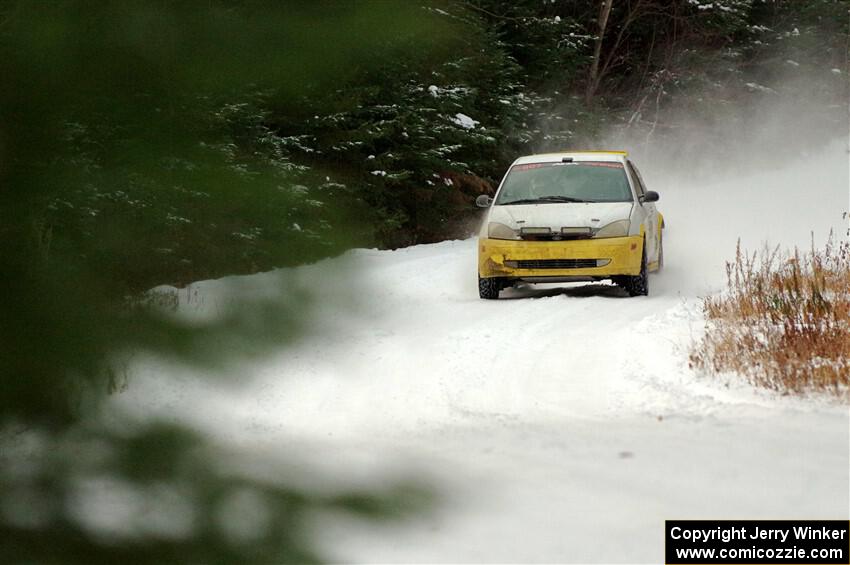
(489, 288)
(638, 285)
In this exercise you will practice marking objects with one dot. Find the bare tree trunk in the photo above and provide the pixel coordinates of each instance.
(593, 79)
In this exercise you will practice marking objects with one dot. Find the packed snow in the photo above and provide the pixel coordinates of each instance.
(560, 423)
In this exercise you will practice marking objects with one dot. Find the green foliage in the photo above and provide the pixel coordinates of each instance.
(135, 149)
(160, 493)
(550, 40)
(223, 199)
(419, 137)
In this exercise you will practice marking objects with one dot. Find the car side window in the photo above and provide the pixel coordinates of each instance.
(641, 188)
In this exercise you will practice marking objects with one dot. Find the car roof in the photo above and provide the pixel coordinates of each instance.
(613, 156)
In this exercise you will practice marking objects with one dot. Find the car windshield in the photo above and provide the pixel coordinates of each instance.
(565, 182)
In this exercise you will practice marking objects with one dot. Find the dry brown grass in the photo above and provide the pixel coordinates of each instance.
(783, 322)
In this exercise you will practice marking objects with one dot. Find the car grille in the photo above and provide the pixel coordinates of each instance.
(557, 236)
(559, 263)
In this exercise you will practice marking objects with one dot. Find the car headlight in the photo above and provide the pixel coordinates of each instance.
(495, 230)
(620, 228)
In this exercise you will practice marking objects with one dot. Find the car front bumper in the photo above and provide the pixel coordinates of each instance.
(560, 259)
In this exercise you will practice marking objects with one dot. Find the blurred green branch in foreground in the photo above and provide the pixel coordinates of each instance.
(134, 152)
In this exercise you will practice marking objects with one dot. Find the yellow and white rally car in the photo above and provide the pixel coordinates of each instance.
(566, 217)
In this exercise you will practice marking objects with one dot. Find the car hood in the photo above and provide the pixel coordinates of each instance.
(559, 215)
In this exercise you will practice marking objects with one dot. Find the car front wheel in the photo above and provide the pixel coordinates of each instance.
(489, 288)
(638, 285)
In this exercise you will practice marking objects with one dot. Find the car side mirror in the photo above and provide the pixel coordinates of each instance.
(650, 196)
(483, 201)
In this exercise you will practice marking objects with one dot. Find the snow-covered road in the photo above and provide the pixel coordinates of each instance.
(558, 424)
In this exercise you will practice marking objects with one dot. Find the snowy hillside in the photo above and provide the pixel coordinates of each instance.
(549, 422)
